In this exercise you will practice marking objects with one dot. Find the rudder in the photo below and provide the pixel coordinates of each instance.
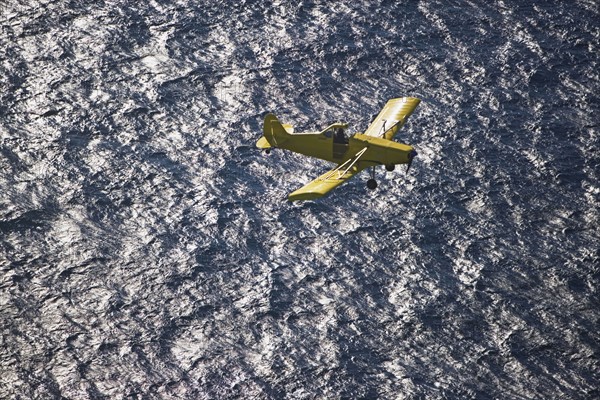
(274, 131)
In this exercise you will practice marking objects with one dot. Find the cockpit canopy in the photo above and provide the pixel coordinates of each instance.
(337, 131)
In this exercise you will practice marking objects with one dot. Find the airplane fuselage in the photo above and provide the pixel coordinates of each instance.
(323, 146)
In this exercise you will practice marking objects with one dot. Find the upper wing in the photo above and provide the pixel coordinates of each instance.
(392, 117)
(329, 180)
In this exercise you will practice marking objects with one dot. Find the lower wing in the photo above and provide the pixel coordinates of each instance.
(329, 180)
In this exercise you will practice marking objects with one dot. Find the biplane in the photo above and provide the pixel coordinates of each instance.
(352, 154)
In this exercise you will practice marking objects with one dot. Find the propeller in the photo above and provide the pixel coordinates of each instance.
(411, 157)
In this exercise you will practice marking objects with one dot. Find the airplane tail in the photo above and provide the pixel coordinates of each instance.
(276, 133)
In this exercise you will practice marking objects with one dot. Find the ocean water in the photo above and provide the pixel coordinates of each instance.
(147, 249)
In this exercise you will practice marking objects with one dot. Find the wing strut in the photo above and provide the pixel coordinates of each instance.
(399, 123)
(339, 168)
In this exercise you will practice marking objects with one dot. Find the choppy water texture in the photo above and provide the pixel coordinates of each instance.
(147, 249)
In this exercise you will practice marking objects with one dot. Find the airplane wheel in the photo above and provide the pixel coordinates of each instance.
(390, 167)
(268, 151)
(372, 184)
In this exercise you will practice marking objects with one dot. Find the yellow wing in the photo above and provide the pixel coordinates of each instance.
(329, 180)
(392, 117)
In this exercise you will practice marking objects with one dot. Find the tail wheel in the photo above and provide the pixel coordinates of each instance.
(372, 184)
(390, 167)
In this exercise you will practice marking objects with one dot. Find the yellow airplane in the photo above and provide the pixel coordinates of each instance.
(351, 154)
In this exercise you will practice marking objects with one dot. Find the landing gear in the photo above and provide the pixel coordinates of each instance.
(372, 183)
(267, 151)
(390, 167)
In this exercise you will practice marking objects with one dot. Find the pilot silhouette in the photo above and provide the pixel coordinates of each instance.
(340, 137)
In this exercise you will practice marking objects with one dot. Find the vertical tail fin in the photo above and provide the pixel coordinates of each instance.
(274, 131)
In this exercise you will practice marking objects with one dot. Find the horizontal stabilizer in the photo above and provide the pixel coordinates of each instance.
(288, 128)
(263, 143)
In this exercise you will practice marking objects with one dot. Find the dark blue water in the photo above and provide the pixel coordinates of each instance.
(147, 249)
